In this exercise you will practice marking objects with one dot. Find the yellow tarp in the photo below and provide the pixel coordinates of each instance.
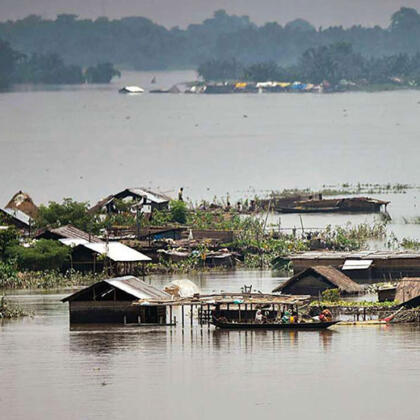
(241, 85)
(283, 84)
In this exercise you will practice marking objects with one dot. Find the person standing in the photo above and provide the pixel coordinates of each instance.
(180, 194)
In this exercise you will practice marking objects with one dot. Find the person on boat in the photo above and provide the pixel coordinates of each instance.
(285, 319)
(327, 315)
(259, 316)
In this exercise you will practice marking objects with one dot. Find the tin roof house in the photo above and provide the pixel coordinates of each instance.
(112, 301)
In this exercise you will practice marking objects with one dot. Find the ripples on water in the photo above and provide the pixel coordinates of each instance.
(49, 370)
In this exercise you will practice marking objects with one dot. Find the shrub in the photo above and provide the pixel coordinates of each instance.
(331, 295)
(43, 255)
(178, 211)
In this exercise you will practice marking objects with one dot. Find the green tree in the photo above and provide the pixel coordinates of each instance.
(101, 73)
(68, 212)
(8, 61)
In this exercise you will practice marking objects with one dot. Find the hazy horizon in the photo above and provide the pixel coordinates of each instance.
(183, 12)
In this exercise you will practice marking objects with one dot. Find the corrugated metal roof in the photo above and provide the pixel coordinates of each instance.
(129, 284)
(363, 255)
(18, 215)
(117, 251)
(357, 264)
(73, 241)
(150, 195)
(72, 232)
(138, 288)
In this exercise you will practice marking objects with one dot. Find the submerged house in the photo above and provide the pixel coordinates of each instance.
(408, 292)
(91, 254)
(112, 301)
(138, 198)
(113, 257)
(362, 266)
(314, 280)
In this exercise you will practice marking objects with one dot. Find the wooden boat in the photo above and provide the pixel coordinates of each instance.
(272, 326)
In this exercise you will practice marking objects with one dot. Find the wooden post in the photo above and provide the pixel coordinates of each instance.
(170, 314)
(239, 312)
(208, 316)
(191, 314)
(246, 311)
(182, 315)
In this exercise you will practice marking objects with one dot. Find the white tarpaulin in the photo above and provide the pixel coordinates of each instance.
(357, 264)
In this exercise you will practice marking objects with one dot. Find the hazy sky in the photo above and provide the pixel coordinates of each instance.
(183, 12)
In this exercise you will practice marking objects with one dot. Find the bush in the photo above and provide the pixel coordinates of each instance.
(8, 237)
(43, 255)
(8, 274)
(331, 295)
(178, 211)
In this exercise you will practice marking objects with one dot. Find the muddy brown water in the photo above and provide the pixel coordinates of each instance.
(49, 371)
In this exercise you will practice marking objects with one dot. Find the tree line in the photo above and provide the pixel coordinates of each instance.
(48, 68)
(139, 43)
(333, 63)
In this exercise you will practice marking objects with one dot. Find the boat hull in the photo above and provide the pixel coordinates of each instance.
(309, 326)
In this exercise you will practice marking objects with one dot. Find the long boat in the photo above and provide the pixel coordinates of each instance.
(226, 325)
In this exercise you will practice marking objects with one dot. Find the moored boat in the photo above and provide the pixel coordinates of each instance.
(271, 325)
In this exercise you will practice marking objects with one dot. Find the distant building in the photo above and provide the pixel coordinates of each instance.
(315, 280)
(113, 301)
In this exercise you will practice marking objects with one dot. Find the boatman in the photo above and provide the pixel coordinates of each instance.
(180, 193)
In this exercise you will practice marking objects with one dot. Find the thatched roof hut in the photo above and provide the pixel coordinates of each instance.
(23, 202)
(316, 279)
(408, 292)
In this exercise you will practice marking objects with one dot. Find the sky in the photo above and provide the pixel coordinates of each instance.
(183, 12)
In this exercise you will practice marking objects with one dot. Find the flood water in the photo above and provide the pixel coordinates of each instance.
(49, 371)
(87, 142)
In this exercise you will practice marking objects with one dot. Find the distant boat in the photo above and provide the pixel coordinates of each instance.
(131, 89)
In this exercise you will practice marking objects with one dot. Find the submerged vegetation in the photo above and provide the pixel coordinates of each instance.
(9, 310)
(50, 68)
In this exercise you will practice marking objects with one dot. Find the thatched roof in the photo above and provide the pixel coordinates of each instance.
(333, 276)
(23, 202)
(408, 289)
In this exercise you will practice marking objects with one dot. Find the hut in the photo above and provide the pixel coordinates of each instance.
(65, 232)
(362, 266)
(114, 257)
(408, 292)
(138, 198)
(314, 280)
(21, 201)
(111, 301)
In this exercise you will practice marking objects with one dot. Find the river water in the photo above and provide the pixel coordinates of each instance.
(87, 142)
(49, 371)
